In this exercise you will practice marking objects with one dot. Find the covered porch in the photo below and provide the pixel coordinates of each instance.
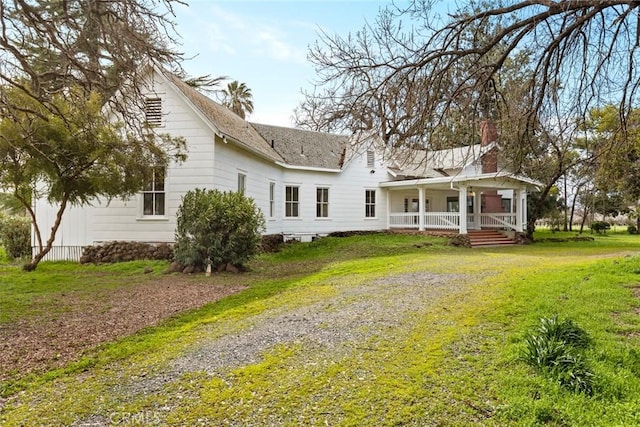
(460, 204)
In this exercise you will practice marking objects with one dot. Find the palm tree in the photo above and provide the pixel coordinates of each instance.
(237, 97)
(204, 83)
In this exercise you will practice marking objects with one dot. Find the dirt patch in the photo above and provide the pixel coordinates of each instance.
(636, 293)
(39, 344)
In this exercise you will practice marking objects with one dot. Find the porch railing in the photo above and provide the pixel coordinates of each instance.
(404, 220)
(442, 220)
(499, 220)
(451, 220)
(432, 220)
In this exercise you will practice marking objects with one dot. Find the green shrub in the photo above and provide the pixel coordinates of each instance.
(217, 227)
(600, 226)
(556, 350)
(15, 235)
(632, 229)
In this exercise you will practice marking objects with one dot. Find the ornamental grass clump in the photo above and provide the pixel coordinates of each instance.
(556, 349)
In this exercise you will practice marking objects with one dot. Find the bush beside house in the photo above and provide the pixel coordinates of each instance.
(217, 228)
(15, 235)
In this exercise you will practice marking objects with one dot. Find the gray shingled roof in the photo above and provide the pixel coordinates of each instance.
(305, 148)
(432, 164)
(292, 146)
(225, 120)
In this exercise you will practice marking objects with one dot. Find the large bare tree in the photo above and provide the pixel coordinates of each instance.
(425, 76)
(420, 71)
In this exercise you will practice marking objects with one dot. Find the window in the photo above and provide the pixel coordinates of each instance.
(153, 196)
(411, 205)
(453, 205)
(272, 201)
(291, 201)
(322, 202)
(506, 205)
(242, 182)
(371, 159)
(153, 111)
(370, 203)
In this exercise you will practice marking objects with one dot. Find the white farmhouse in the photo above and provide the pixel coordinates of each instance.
(306, 183)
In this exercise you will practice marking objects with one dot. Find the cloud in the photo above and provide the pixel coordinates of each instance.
(273, 43)
(218, 30)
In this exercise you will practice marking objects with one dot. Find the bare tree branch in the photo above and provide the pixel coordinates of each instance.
(580, 54)
(48, 46)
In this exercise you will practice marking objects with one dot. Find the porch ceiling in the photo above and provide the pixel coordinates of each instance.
(500, 180)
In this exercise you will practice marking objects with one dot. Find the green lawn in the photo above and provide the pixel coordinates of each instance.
(457, 363)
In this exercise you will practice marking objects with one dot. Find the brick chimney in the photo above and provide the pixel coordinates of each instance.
(489, 134)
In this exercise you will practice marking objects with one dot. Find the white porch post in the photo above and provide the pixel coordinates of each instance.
(520, 196)
(462, 204)
(523, 211)
(477, 202)
(388, 208)
(420, 209)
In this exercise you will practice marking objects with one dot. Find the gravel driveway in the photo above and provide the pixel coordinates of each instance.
(354, 315)
(333, 326)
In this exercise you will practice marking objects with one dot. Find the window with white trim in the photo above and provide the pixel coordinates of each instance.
(242, 182)
(453, 204)
(411, 205)
(153, 111)
(272, 199)
(322, 202)
(370, 203)
(292, 201)
(506, 205)
(153, 195)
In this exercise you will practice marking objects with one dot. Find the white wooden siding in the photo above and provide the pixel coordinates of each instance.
(259, 174)
(123, 220)
(346, 199)
(212, 163)
(74, 227)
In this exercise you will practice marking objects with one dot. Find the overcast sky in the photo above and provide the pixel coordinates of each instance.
(264, 44)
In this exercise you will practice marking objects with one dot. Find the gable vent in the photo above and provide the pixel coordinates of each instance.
(371, 159)
(153, 111)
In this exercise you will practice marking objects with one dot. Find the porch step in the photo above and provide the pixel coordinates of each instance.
(484, 238)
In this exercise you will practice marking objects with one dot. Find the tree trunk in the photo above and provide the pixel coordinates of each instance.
(584, 218)
(534, 214)
(565, 203)
(32, 215)
(573, 206)
(33, 264)
(573, 211)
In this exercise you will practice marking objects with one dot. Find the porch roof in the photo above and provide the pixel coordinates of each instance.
(499, 180)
